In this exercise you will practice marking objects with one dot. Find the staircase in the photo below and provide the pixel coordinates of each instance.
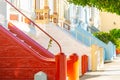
(21, 57)
(68, 43)
(88, 39)
(19, 61)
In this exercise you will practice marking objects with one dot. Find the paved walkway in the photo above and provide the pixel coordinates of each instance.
(111, 71)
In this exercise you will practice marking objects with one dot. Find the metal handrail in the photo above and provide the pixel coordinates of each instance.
(35, 25)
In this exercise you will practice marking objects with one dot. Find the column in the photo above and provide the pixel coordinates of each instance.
(55, 14)
(37, 2)
(96, 18)
(61, 9)
(46, 11)
(46, 4)
(55, 5)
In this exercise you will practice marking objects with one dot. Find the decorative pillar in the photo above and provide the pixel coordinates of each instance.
(61, 9)
(37, 4)
(46, 11)
(55, 14)
(92, 14)
(55, 5)
(46, 4)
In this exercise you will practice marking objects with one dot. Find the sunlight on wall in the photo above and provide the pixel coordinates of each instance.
(109, 21)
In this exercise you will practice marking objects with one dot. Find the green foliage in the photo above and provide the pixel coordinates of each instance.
(118, 43)
(105, 37)
(115, 33)
(112, 6)
(113, 36)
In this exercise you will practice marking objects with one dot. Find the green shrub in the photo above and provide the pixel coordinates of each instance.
(105, 37)
(118, 43)
(115, 33)
(113, 36)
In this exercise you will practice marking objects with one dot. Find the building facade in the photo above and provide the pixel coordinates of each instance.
(56, 11)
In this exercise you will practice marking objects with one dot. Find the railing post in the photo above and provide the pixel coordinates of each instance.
(61, 67)
(110, 51)
(101, 57)
(94, 57)
(97, 57)
(73, 68)
(84, 64)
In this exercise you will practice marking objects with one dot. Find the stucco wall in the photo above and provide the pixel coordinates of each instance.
(3, 12)
(109, 21)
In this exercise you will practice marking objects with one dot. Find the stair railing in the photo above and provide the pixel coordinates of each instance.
(60, 49)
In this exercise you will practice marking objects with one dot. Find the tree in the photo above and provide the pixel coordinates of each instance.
(112, 6)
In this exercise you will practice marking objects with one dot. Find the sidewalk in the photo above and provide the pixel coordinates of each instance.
(111, 71)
